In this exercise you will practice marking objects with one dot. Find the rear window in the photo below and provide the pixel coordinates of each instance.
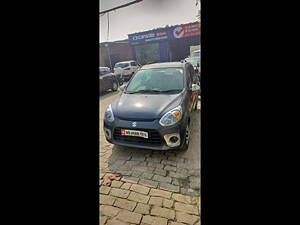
(133, 63)
(193, 61)
(104, 71)
(121, 65)
(196, 54)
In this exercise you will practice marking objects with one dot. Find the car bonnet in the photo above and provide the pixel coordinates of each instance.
(144, 106)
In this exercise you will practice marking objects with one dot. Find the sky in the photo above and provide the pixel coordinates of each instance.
(143, 16)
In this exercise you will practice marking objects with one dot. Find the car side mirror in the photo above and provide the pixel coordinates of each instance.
(123, 87)
(195, 87)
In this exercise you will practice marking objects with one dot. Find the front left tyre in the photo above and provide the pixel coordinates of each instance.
(186, 140)
(115, 86)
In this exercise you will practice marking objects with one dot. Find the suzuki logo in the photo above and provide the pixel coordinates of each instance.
(134, 124)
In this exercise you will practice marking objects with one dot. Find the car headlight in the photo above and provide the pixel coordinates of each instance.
(171, 117)
(109, 115)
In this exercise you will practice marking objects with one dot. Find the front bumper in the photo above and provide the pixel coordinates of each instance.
(159, 137)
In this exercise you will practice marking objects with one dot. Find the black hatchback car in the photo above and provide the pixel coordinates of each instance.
(153, 112)
(107, 80)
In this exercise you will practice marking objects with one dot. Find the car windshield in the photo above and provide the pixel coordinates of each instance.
(193, 61)
(103, 71)
(166, 80)
(121, 65)
(196, 54)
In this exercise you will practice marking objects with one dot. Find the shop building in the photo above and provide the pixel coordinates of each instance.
(164, 44)
(118, 51)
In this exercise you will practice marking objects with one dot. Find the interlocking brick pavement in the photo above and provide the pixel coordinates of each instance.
(163, 212)
(130, 217)
(125, 204)
(169, 187)
(186, 218)
(140, 189)
(160, 193)
(153, 220)
(158, 201)
(138, 197)
(142, 208)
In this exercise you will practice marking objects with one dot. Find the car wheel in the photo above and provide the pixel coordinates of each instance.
(186, 140)
(196, 105)
(115, 86)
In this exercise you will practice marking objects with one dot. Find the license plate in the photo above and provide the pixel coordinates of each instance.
(135, 133)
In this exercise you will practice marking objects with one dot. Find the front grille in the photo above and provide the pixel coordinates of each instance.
(136, 119)
(153, 137)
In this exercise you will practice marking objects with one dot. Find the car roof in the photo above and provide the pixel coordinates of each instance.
(164, 65)
(193, 58)
(126, 61)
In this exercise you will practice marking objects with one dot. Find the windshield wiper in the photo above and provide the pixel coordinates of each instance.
(154, 91)
(144, 91)
(172, 90)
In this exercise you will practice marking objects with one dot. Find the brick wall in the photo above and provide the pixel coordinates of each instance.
(118, 52)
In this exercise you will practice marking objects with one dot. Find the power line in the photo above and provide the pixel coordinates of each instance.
(121, 6)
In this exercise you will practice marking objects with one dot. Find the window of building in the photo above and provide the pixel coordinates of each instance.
(148, 53)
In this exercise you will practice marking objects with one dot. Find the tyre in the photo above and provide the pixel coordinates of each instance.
(115, 86)
(186, 140)
(196, 105)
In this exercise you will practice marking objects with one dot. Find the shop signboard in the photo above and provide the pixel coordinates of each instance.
(170, 33)
(148, 37)
(185, 30)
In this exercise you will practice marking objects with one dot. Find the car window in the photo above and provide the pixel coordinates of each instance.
(133, 64)
(160, 80)
(192, 74)
(121, 65)
(196, 54)
(193, 61)
(103, 72)
(188, 76)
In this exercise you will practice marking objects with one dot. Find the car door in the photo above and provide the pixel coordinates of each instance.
(189, 81)
(101, 82)
(107, 79)
(195, 80)
(133, 66)
(126, 69)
